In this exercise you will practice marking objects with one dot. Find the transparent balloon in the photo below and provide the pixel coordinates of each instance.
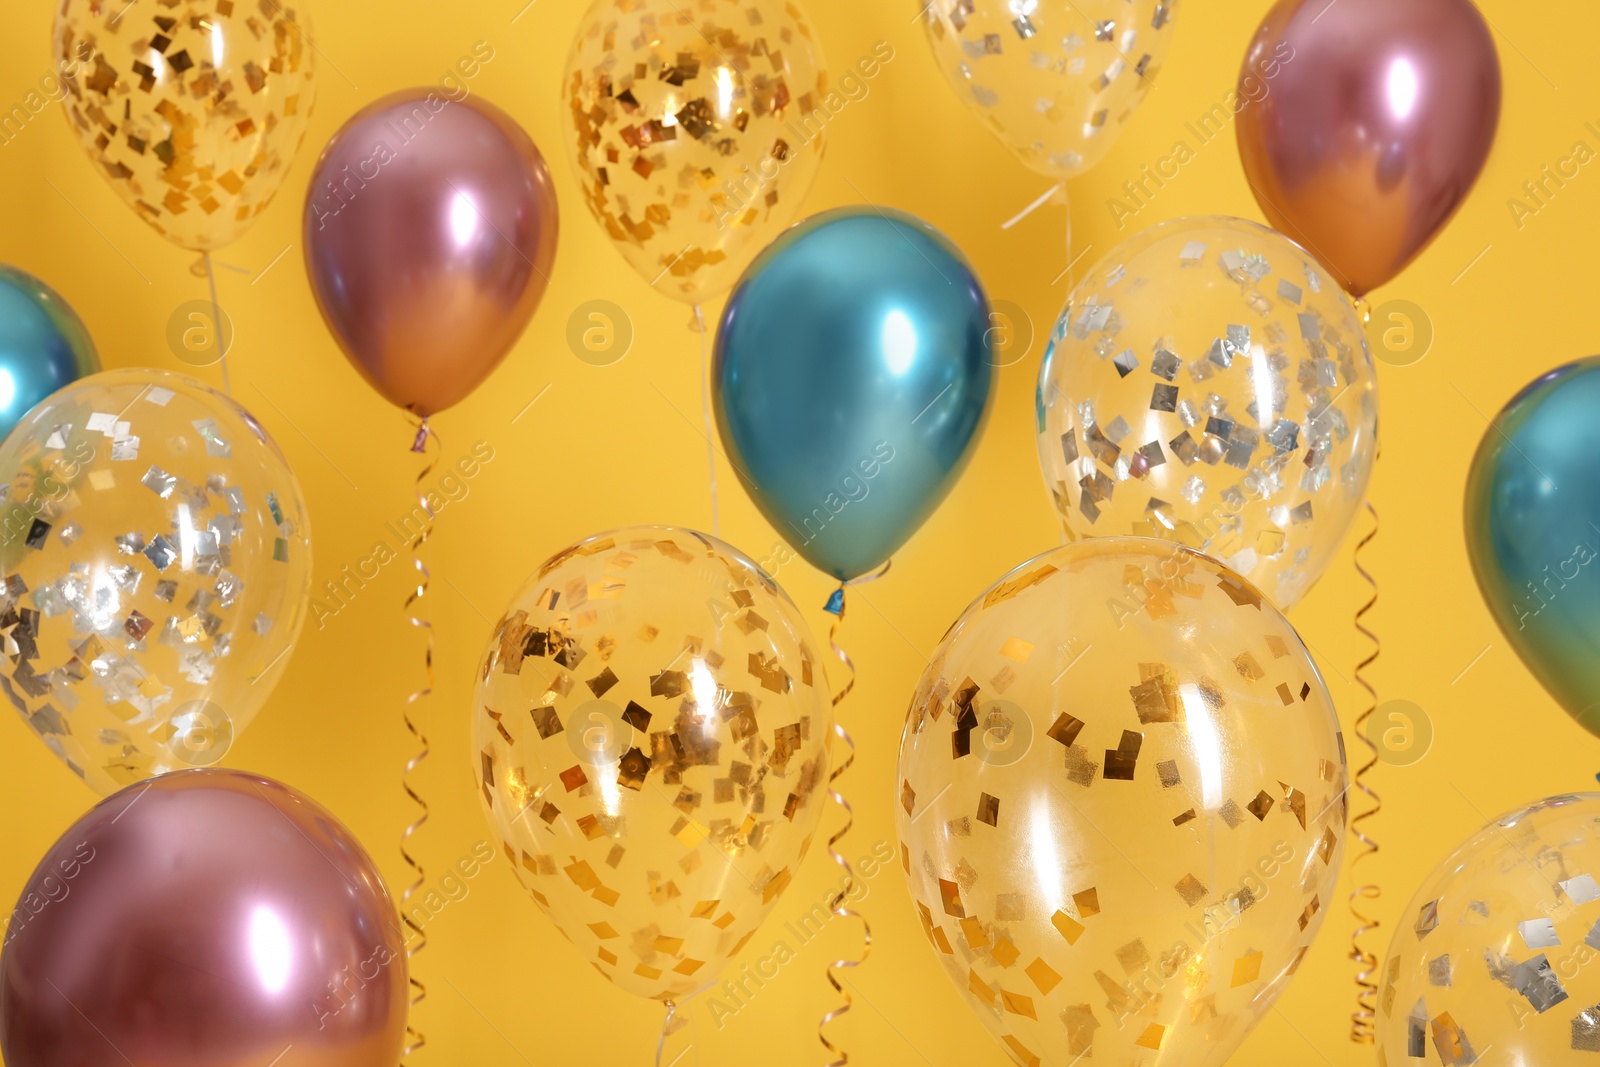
(696, 130)
(1054, 80)
(1121, 806)
(193, 110)
(652, 726)
(156, 556)
(1496, 951)
(1209, 384)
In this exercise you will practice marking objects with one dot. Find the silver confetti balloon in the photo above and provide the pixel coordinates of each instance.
(1209, 384)
(1492, 961)
(156, 564)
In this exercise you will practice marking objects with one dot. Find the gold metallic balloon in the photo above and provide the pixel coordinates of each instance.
(1055, 80)
(695, 131)
(652, 722)
(156, 560)
(192, 109)
(1121, 806)
(1493, 960)
(1210, 384)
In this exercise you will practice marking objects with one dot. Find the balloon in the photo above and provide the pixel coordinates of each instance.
(1491, 951)
(1207, 384)
(192, 109)
(1055, 81)
(157, 564)
(1375, 124)
(430, 230)
(695, 131)
(1121, 805)
(209, 918)
(43, 345)
(851, 379)
(652, 720)
(1533, 505)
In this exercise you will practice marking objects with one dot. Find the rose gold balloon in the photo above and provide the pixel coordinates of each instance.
(205, 918)
(430, 228)
(1370, 121)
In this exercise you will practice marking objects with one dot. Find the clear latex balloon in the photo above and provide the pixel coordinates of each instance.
(193, 110)
(1055, 80)
(1492, 962)
(1121, 806)
(694, 131)
(1209, 384)
(156, 560)
(652, 726)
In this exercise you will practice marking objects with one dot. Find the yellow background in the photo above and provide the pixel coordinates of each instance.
(606, 446)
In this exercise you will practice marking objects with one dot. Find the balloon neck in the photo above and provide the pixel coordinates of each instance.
(420, 444)
(835, 604)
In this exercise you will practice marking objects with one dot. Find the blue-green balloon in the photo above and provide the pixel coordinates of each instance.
(1533, 531)
(43, 345)
(852, 378)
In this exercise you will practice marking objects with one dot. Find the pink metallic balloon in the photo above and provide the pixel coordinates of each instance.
(205, 918)
(430, 227)
(1368, 123)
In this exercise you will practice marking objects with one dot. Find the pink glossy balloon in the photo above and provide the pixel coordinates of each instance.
(1368, 122)
(430, 229)
(207, 918)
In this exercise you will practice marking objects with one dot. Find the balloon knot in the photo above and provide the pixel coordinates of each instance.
(421, 442)
(835, 605)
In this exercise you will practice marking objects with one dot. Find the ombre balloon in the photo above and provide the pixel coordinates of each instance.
(430, 228)
(1533, 531)
(206, 918)
(43, 345)
(1369, 122)
(851, 380)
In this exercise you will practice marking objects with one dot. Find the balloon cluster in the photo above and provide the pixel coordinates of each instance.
(1135, 776)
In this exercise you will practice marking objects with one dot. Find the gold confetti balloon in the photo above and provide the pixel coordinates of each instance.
(1209, 384)
(1121, 806)
(651, 722)
(696, 129)
(156, 560)
(1493, 961)
(192, 109)
(1055, 80)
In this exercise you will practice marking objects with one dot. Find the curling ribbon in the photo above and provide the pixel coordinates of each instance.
(670, 1025)
(699, 326)
(415, 1039)
(835, 606)
(1363, 1021)
(216, 322)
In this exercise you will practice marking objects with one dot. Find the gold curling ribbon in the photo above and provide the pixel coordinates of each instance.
(415, 1039)
(1363, 1021)
(837, 904)
(699, 326)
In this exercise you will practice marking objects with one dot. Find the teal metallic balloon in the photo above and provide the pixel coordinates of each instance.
(1533, 531)
(43, 345)
(852, 376)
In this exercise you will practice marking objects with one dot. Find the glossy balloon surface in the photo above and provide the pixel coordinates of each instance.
(1533, 531)
(430, 230)
(207, 918)
(851, 378)
(1374, 123)
(44, 346)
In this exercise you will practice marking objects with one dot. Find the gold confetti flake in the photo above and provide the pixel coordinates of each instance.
(1246, 969)
(1191, 890)
(1069, 928)
(1043, 976)
(1016, 649)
